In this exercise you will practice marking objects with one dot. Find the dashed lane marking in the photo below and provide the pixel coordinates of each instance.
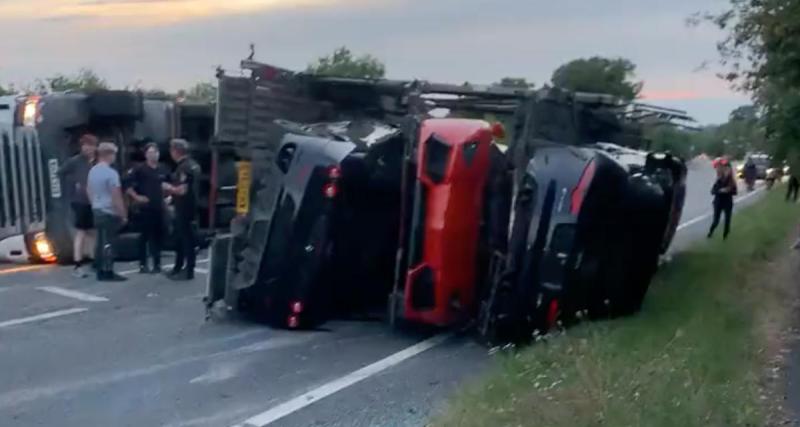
(43, 316)
(72, 294)
(168, 266)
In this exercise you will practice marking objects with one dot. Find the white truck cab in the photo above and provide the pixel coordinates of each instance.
(22, 197)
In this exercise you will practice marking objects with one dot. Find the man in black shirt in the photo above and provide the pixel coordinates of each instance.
(183, 189)
(144, 187)
(74, 173)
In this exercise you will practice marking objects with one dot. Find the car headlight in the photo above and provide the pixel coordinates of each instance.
(44, 249)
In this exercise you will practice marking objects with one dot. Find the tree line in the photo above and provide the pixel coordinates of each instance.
(744, 131)
(760, 56)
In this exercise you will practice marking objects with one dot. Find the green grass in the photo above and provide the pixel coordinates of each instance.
(694, 356)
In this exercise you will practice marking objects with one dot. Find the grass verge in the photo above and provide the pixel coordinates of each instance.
(694, 356)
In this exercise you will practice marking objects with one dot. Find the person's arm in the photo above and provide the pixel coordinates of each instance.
(116, 199)
(66, 168)
(131, 191)
(187, 180)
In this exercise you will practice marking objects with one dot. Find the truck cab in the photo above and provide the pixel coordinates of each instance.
(22, 184)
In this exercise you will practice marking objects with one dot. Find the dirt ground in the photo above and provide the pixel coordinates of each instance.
(780, 325)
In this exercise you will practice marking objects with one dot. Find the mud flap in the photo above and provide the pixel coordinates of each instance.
(219, 298)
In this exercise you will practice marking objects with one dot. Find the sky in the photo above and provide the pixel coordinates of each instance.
(172, 44)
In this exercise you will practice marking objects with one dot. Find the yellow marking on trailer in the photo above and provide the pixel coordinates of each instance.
(245, 177)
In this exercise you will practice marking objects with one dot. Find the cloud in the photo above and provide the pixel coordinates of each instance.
(172, 44)
(674, 95)
(112, 2)
(142, 13)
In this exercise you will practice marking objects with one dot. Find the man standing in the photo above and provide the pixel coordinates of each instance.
(794, 187)
(109, 210)
(183, 190)
(145, 190)
(73, 174)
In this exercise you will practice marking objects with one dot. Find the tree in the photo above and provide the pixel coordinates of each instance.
(4, 91)
(200, 92)
(744, 113)
(84, 80)
(342, 63)
(599, 75)
(759, 56)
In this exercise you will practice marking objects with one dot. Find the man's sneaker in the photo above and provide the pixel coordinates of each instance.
(79, 272)
(181, 276)
(143, 269)
(156, 270)
(110, 276)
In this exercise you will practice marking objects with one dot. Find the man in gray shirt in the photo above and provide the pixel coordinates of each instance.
(108, 206)
(73, 174)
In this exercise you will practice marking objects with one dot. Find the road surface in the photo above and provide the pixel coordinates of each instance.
(77, 353)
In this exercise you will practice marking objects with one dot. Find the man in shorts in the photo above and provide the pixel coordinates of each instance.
(74, 173)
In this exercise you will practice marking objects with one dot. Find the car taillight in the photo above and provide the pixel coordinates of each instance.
(579, 192)
(297, 307)
(293, 322)
(552, 314)
(330, 190)
(334, 173)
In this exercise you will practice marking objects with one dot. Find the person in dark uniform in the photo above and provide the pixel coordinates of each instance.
(183, 189)
(724, 190)
(145, 188)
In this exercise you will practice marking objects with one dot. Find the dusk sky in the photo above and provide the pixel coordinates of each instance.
(170, 44)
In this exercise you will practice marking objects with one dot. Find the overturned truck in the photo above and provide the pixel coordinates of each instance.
(354, 193)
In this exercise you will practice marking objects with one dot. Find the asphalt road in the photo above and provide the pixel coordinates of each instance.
(76, 353)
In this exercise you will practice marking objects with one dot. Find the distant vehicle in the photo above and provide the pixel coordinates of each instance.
(762, 162)
(22, 184)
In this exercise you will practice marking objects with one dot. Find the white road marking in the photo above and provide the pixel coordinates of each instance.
(168, 266)
(705, 216)
(72, 294)
(43, 316)
(270, 416)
